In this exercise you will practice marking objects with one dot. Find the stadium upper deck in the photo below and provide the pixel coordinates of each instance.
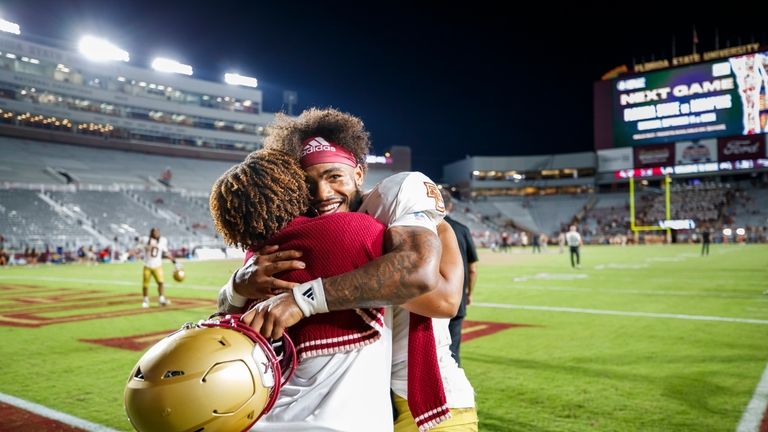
(61, 95)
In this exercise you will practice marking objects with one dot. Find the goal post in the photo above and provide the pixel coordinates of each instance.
(667, 210)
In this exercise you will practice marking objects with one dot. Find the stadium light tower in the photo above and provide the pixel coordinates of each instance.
(290, 98)
(9, 27)
(98, 49)
(237, 79)
(167, 65)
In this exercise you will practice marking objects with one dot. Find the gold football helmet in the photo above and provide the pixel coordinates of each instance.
(212, 376)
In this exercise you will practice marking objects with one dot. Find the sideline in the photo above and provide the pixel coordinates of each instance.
(49, 413)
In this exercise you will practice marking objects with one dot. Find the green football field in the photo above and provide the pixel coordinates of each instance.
(649, 338)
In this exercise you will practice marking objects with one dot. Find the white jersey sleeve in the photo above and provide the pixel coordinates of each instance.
(163, 246)
(405, 199)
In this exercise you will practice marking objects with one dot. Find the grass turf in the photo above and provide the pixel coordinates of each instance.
(569, 371)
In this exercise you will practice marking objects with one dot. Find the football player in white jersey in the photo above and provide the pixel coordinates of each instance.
(155, 248)
(410, 204)
(409, 199)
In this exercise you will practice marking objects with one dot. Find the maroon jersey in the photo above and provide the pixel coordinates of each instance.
(331, 245)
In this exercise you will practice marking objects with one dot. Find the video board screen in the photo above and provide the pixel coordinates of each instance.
(727, 97)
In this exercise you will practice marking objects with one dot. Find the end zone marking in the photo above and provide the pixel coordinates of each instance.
(476, 329)
(168, 284)
(134, 342)
(26, 306)
(470, 330)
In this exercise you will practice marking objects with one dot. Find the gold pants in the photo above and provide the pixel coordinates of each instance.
(462, 419)
(156, 272)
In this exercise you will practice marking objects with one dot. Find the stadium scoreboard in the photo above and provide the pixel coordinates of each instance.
(703, 117)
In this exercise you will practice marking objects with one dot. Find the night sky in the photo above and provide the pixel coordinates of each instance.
(448, 82)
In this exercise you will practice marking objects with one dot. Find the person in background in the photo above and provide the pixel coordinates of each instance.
(573, 238)
(155, 249)
(505, 242)
(469, 258)
(536, 242)
(705, 240)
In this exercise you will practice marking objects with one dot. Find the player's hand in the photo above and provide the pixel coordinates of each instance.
(178, 265)
(469, 299)
(256, 280)
(272, 316)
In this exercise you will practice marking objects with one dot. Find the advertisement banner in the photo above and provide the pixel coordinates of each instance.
(654, 155)
(741, 147)
(696, 151)
(614, 159)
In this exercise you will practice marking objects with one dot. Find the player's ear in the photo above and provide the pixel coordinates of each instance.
(359, 175)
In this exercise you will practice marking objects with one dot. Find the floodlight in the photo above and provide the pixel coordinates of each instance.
(98, 49)
(237, 79)
(9, 27)
(168, 65)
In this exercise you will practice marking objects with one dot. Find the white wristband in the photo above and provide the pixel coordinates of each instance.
(310, 297)
(234, 298)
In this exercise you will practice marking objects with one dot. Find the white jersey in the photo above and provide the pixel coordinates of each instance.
(153, 251)
(405, 199)
(573, 238)
(346, 392)
(412, 199)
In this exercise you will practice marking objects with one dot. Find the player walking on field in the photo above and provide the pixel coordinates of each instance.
(155, 249)
(573, 238)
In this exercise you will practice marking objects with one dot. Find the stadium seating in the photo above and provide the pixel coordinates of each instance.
(92, 196)
(25, 161)
(192, 212)
(25, 219)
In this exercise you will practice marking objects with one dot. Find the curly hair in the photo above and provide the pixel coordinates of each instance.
(256, 198)
(288, 134)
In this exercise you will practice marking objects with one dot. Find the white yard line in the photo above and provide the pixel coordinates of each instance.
(53, 414)
(753, 415)
(622, 313)
(107, 282)
(638, 291)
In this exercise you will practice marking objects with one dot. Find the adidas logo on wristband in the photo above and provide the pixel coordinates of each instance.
(310, 297)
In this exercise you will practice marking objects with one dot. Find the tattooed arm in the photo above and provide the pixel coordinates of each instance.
(408, 269)
(444, 300)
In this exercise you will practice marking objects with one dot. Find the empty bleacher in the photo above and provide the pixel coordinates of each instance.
(93, 196)
(27, 161)
(191, 212)
(541, 214)
(26, 219)
(749, 207)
